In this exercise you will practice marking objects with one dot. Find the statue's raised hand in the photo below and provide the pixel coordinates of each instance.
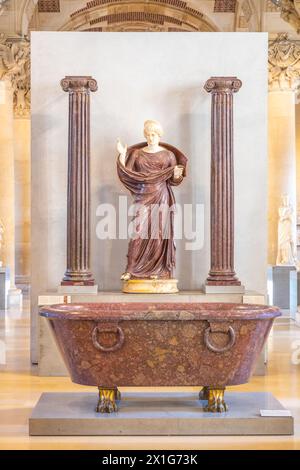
(122, 150)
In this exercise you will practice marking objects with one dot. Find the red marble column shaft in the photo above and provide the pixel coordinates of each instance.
(222, 181)
(78, 211)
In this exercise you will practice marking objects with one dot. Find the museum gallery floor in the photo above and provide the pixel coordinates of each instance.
(21, 387)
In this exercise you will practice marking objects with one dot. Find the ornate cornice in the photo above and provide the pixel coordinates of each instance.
(15, 67)
(284, 64)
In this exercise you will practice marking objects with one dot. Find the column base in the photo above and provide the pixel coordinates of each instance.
(14, 298)
(222, 278)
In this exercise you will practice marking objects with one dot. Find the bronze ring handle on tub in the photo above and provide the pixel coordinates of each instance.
(109, 329)
(215, 349)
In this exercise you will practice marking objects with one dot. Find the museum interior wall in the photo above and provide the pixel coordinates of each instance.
(19, 18)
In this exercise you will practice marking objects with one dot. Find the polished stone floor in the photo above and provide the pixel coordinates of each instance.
(20, 389)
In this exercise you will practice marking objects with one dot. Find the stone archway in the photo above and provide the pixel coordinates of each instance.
(138, 15)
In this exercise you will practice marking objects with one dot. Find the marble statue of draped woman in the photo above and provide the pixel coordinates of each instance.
(286, 250)
(149, 172)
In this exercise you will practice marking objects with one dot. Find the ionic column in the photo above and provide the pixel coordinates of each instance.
(222, 181)
(78, 212)
(284, 73)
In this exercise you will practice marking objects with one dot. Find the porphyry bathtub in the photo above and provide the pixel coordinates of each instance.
(110, 345)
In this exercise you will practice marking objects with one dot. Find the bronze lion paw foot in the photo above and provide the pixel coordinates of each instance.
(215, 399)
(107, 400)
(203, 394)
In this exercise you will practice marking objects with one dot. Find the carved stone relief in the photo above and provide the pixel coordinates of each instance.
(15, 67)
(284, 64)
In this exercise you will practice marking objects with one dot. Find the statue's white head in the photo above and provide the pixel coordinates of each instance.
(152, 132)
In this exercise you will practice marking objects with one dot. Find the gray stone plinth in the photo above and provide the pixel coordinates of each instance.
(14, 298)
(77, 289)
(283, 288)
(73, 414)
(224, 289)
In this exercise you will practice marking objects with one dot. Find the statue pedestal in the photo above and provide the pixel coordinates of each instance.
(282, 289)
(4, 285)
(9, 297)
(14, 297)
(150, 286)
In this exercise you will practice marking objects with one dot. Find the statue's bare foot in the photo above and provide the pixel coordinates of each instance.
(125, 276)
(154, 276)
